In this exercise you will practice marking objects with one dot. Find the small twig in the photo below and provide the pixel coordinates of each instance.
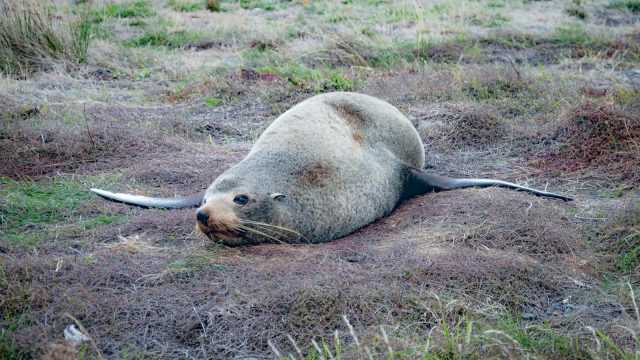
(633, 300)
(351, 331)
(274, 349)
(86, 124)
(315, 345)
(513, 66)
(386, 340)
(295, 346)
(633, 84)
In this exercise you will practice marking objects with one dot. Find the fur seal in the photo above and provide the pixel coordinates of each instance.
(326, 167)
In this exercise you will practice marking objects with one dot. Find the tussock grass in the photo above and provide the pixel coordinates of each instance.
(34, 37)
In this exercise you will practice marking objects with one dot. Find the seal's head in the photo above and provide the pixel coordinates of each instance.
(241, 214)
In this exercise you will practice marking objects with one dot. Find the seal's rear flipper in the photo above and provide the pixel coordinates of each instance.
(147, 202)
(420, 183)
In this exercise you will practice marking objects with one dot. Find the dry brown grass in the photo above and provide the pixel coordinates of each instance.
(35, 152)
(595, 135)
(393, 272)
(460, 126)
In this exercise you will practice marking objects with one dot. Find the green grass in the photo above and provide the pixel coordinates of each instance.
(495, 5)
(633, 5)
(99, 220)
(29, 208)
(182, 6)
(461, 337)
(214, 101)
(490, 20)
(571, 35)
(9, 350)
(629, 260)
(163, 38)
(577, 11)
(267, 5)
(129, 10)
(213, 5)
(315, 80)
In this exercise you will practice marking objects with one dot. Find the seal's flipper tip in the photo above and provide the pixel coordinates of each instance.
(103, 193)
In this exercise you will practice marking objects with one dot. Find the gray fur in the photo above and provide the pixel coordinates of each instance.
(341, 160)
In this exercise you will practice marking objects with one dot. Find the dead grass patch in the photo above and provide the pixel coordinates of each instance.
(595, 135)
(400, 272)
(522, 48)
(33, 152)
(460, 126)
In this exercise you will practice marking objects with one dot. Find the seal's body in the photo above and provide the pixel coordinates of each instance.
(323, 169)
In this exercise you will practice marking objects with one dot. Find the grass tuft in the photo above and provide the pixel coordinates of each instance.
(629, 260)
(213, 5)
(633, 5)
(182, 6)
(571, 35)
(129, 10)
(33, 36)
(163, 38)
(577, 11)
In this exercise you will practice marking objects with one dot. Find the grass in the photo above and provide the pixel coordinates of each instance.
(30, 208)
(311, 79)
(129, 9)
(161, 37)
(633, 5)
(34, 36)
(577, 11)
(213, 5)
(267, 5)
(9, 350)
(489, 20)
(629, 259)
(465, 66)
(571, 35)
(461, 337)
(183, 6)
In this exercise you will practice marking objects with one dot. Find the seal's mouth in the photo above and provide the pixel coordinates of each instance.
(224, 235)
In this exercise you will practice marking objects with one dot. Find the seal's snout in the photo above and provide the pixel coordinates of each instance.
(202, 217)
(219, 222)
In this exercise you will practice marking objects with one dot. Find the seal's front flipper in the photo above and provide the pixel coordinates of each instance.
(149, 202)
(419, 183)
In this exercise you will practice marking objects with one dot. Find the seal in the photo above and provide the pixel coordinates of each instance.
(326, 167)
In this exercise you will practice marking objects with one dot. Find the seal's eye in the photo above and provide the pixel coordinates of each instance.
(241, 199)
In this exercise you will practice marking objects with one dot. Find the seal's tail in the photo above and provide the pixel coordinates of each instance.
(421, 183)
(149, 202)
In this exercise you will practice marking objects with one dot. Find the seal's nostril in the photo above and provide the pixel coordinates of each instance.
(202, 217)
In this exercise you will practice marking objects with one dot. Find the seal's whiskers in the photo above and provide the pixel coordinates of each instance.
(244, 227)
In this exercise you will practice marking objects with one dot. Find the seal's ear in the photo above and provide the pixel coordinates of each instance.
(277, 196)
